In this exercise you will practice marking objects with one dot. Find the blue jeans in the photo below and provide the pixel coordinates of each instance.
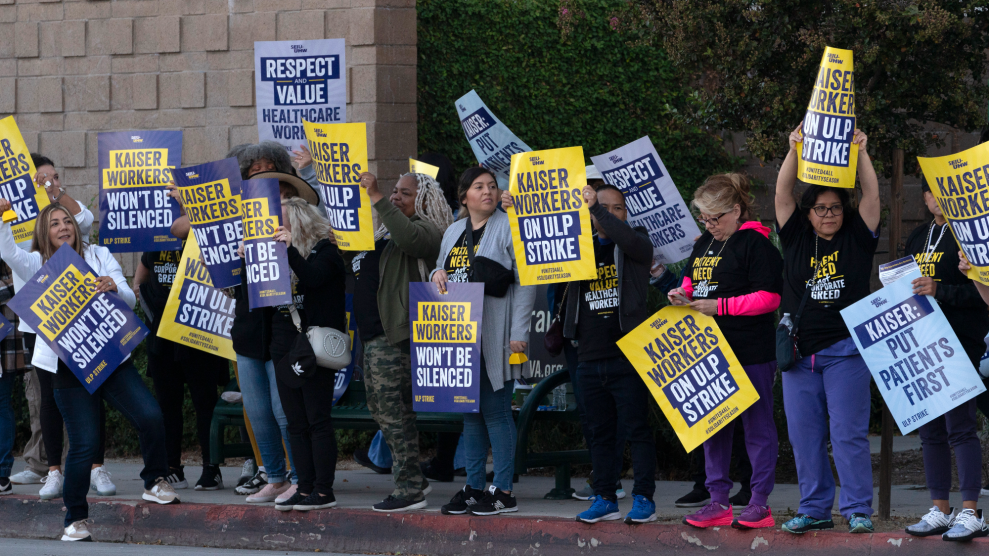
(493, 427)
(125, 391)
(6, 424)
(264, 409)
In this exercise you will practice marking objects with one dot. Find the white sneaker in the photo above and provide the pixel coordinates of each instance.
(26, 477)
(269, 494)
(78, 531)
(283, 497)
(161, 493)
(100, 483)
(53, 485)
(934, 522)
(968, 525)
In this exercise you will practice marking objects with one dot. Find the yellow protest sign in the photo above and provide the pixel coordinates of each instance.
(827, 155)
(551, 226)
(417, 167)
(197, 314)
(17, 182)
(691, 371)
(960, 183)
(339, 156)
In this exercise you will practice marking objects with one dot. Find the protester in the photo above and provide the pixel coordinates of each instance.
(124, 389)
(412, 220)
(933, 247)
(172, 366)
(306, 391)
(828, 248)
(478, 248)
(740, 287)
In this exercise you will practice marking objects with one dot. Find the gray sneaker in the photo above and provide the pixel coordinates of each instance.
(934, 522)
(78, 531)
(968, 525)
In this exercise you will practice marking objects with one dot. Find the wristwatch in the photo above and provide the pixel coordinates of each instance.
(61, 191)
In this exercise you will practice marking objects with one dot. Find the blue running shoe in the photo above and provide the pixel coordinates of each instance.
(600, 510)
(803, 523)
(860, 523)
(643, 510)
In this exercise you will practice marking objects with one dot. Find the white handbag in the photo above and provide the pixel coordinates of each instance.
(332, 347)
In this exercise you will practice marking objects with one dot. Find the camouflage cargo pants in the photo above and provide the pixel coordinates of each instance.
(388, 381)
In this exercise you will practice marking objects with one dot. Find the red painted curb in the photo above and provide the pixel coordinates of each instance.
(364, 531)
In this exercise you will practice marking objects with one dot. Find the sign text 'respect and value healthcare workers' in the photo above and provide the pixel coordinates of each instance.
(92, 333)
(691, 371)
(551, 226)
(917, 361)
(197, 314)
(298, 81)
(960, 183)
(827, 155)
(17, 181)
(493, 143)
(446, 347)
(211, 197)
(339, 156)
(136, 214)
(269, 278)
(651, 197)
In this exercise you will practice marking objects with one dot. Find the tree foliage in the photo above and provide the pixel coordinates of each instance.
(916, 61)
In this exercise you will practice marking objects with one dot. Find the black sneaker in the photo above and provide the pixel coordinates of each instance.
(255, 485)
(462, 501)
(393, 504)
(741, 498)
(434, 473)
(289, 504)
(693, 499)
(361, 457)
(495, 501)
(211, 478)
(316, 501)
(6, 487)
(176, 478)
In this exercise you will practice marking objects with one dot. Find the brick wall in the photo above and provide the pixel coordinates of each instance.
(70, 69)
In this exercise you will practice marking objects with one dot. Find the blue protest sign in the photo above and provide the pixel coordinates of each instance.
(135, 212)
(91, 333)
(493, 143)
(269, 278)
(914, 356)
(6, 327)
(446, 347)
(211, 196)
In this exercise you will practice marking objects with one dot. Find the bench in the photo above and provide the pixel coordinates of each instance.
(351, 413)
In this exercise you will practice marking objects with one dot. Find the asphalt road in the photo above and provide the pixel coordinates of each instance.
(22, 547)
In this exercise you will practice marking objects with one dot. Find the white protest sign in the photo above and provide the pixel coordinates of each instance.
(296, 81)
(894, 270)
(493, 143)
(915, 358)
(651, 198)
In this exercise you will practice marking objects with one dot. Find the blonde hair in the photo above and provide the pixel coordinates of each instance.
(42, 242)
(721, 192)
(307, 224)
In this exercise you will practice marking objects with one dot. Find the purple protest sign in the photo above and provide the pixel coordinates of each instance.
(269, 278)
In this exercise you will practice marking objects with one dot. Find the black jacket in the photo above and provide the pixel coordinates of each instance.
(321, 281)
(633, 260)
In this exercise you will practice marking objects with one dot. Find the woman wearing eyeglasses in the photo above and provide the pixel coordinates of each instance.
(828, 247)
(735, 274)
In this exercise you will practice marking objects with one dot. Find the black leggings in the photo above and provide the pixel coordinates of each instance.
(201, 373)
(51, 417)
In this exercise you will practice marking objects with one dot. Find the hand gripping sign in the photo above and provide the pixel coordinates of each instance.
(551, 226)
(339, 156)
(17, 182)
(136, 214)
(92, 333)
(211, 196)
(960, 183)
(197, 314)
(826, 155)
(446, 347)
(914, 356)
(691, 371)
(269, 278)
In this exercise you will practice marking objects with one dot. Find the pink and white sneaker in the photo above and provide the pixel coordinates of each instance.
(268, 494)
(754, 517)
(712, 515)
(289, 492)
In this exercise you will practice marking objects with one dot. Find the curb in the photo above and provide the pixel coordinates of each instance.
(364, 531)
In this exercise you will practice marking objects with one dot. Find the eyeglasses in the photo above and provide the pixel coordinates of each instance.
(712, 221)
(822, 210)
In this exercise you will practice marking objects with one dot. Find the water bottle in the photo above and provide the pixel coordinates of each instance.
(560, 397)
